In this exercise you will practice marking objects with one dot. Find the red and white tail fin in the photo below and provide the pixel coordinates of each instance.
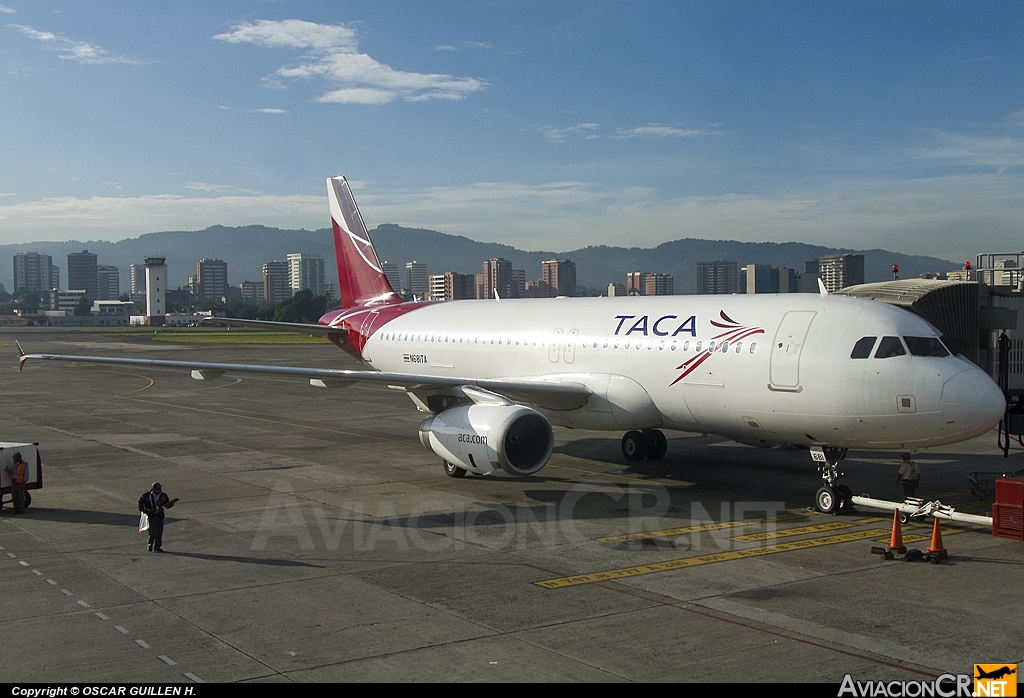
(361, 281)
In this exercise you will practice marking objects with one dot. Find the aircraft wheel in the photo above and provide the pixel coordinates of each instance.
(826, 500)
(452, 470)
(633, 446)
(657, 445)
(28, 498)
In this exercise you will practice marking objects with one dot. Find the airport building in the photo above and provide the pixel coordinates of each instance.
(156, 289)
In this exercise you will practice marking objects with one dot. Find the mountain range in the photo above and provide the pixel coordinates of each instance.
(246, 249)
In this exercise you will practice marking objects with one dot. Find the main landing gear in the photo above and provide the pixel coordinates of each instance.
(832, 498)
(649, 443)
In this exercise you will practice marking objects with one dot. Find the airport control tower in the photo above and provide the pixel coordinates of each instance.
(156, 287)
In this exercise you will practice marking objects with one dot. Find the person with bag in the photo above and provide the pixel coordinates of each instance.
(18, 470)
(908, 476)
(153, 504)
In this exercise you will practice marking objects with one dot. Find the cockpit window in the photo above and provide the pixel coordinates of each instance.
(889, 347)
(926, 346)
(862, 349)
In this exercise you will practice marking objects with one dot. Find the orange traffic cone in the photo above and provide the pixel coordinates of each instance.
(935, 551)
(896, 542)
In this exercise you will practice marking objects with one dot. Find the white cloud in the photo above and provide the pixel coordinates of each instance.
(656, 131)
(445, 48)
(557, 135)
(5, 10)
(218, 188)
(115, 218)
(71, 50)
(270, 110)
(949, 217)
(332, 55)
(1000, 153)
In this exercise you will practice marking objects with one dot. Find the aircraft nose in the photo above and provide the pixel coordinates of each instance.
(972, 403)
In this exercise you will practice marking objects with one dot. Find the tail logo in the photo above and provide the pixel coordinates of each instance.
(363, 245)
(734, 332)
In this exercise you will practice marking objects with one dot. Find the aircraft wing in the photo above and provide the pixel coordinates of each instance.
(302, 327)
(554, 395)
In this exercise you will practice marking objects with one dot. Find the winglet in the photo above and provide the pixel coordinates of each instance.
(821, 287)
(21, 356)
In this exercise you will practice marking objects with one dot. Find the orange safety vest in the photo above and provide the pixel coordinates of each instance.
(19, 474)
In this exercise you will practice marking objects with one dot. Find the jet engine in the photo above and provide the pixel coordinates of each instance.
(480, 438)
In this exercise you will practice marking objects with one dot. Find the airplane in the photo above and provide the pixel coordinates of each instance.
(821, 371)
(994, 674)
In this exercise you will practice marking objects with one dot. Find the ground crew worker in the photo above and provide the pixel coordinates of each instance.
(908, 476)
(18, 470)
(153, 504)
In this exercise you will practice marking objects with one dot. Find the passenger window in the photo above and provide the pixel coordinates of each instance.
(926, 346)
(889, 347)
(862, 349)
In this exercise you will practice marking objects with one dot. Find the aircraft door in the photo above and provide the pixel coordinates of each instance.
(786, 349)
(570, 346)
(555, 347)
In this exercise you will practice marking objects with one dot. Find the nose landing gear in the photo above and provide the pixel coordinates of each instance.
(832, 498)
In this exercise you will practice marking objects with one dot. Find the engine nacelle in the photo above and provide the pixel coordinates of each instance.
(480, 438)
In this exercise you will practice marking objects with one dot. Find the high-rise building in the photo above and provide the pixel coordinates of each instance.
(560, 276)
(789, 280)
(35, 272)
(642, 283)
(497, 275)
(762, 278)
(390, 270)
(108, 282)
(276, 286)
(517, 288)
(306, 272)
(138, 281)
(838, 271)
(82, 273)
(419, 278)
(252, 291)
(451, 286)
(717, 277)
(212, 279)
(615, 289)
(659, 285)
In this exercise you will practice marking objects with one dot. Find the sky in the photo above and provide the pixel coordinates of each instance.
(543, 125)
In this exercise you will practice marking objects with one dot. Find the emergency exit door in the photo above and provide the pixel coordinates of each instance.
(787, 347)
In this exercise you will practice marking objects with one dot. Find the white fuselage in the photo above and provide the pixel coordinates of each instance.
(780, 372)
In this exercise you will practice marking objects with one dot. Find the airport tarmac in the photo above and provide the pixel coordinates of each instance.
(317, 540)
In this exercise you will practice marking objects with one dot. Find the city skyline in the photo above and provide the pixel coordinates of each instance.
(849, 125)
